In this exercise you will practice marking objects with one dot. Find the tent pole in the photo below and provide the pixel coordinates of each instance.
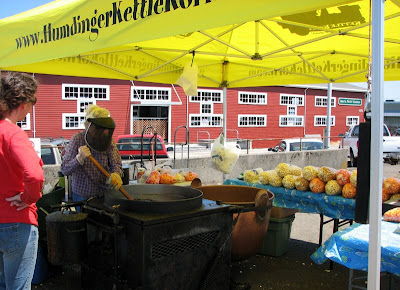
(224, 109)
(224, 112)
(327, 132)
(257, 39)
(305, 111)
(375, 210)
(224, 85)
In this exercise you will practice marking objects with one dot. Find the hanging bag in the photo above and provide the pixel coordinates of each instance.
(224, 154)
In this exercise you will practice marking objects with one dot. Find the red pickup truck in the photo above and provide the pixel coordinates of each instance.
(129, 146)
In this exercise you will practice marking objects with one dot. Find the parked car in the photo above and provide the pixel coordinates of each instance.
(297, 144)
(396, 132)
(129, 146)
(391, 145)
(50, 153)
(61, 143)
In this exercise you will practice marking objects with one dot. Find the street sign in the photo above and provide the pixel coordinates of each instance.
(349, 102)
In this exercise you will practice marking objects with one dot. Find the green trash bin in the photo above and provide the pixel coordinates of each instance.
(277, 238)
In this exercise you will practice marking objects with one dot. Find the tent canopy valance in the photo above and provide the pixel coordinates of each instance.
(234, 43)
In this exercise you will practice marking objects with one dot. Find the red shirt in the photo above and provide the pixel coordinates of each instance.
(20, 171)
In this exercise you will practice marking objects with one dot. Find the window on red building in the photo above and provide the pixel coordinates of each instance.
(323, 101)
(252, 120)
(352, 120)
(321, 120)
(252, 98)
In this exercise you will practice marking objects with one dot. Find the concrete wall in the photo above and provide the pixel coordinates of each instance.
(50, 177)
(335, 158)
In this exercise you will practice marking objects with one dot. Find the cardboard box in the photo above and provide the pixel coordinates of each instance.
(281, 212)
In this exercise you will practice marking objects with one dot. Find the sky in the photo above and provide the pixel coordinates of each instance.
(12, 7)
(391, 89)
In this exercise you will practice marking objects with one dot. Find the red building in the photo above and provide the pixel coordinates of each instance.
(266, 113)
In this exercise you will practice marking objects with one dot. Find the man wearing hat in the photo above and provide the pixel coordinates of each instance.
(87, 180)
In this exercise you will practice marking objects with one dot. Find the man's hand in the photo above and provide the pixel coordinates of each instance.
(115, 181)
(83, 153)
(16, 201)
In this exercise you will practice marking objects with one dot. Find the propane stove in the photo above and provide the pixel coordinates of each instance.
(190, 249)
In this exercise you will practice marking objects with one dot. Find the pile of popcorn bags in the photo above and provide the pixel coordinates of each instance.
(322, 179)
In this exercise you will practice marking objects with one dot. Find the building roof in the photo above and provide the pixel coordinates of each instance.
(335, 87)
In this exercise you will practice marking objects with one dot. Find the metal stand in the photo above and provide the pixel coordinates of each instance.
(154, 151)
(135, 168)
(336, 224)
(363, 277)
(187, 142)
(68, 191)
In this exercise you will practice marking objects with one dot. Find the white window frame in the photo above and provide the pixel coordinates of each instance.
(80, 126)
(291, 123)
(257, 97)
(252, 116)
(323, 124)
(208, 104)
(288, 110)
(324, 101)
(79, 86)
(25, 124)
(290, 100)
(348, 118)
(158, 99)
(202, 124)
(200, 98)
(80, 101)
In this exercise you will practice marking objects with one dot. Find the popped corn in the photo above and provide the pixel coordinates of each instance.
(289, 181)
(349, 191)
(353, 178)
(301, 183)
(326, 173)
(332, 187)
(274, 179)
(317, 185)
(283, 169)
(310, 172)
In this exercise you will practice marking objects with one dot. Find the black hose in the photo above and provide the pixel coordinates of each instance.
(211, 271)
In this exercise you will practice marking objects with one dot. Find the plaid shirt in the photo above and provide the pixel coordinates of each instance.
(87, 180)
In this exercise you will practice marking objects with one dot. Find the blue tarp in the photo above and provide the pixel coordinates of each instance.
(333, 206)
(349, 247)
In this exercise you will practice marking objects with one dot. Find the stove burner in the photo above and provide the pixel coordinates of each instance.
(127, 250)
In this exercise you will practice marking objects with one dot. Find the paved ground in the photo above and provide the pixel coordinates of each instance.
(293, 270)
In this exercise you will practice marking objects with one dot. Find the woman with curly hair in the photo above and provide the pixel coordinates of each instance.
(21, 179)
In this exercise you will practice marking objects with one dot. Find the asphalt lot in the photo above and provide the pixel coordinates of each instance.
(293, 270)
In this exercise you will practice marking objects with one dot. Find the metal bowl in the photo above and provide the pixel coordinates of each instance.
(155, 198)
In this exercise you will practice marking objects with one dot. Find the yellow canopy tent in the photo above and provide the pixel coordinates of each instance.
(234, 43)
